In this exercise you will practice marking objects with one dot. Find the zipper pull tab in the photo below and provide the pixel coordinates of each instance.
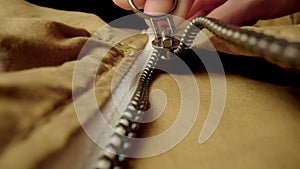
(164, 29)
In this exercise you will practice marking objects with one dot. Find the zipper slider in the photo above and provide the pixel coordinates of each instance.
(164, 30)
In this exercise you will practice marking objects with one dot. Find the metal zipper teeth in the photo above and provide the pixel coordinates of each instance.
(278, 51)
(128, 123)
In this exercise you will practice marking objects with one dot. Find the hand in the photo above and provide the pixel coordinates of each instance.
(238, 12)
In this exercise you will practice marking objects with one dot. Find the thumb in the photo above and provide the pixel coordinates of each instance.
(156, 7)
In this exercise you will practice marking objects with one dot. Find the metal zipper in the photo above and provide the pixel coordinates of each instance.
(128, 125)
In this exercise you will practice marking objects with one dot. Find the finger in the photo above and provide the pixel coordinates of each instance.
(183, 8)
(234, 13)
(200, 7)
(124, 3)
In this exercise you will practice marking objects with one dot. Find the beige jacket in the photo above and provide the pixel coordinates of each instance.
(260, 127)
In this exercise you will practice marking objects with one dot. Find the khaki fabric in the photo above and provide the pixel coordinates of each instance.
(260, 127)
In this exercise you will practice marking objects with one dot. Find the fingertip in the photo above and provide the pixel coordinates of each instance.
(227, 18)
(200, 13)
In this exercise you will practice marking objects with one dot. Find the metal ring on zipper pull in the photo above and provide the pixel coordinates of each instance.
(148, 16)
(164, 41)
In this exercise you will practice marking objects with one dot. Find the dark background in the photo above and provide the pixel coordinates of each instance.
(105, 9)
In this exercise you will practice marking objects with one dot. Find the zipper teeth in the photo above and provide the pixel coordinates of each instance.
(128, 123)
(278, 51)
